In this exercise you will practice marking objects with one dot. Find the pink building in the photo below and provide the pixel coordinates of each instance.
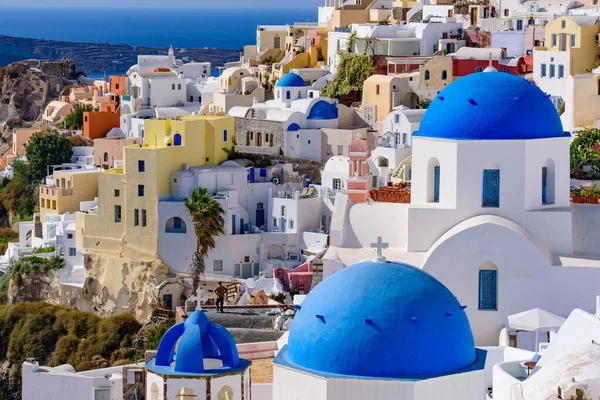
(359, 181)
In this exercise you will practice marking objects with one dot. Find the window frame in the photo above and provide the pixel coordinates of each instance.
(482, 305)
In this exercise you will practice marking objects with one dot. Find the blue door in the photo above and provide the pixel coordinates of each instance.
(241, 225)
(260, 217)
(233, 224)
(544, 184)
(436, 184)
(491, 188)
(177, 140)
(283, 224)
(519, 24)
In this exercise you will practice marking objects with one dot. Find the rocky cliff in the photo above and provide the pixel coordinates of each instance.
(26, 87)
(113, 285)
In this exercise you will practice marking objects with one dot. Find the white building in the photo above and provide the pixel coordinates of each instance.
(266, 224)
(394, 145)
(489, 207)
(411, 39)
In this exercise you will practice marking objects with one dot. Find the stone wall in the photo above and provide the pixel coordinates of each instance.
(246, 144)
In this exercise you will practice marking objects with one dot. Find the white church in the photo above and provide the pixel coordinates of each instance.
(490, 214)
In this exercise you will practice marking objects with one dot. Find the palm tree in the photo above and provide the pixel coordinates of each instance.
(207, 216)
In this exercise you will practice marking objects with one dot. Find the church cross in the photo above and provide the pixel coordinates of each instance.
(379, 245)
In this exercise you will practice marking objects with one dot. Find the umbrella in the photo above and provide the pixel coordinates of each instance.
(535, 320)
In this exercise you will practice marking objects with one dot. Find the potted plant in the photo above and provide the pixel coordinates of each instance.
(592, 194)
(577, 198)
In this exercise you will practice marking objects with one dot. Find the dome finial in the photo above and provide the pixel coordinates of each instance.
(490, 67)
(379, 245)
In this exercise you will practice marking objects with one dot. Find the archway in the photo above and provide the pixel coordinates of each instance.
(177, 140)
(154, 392)
(276, 251)
(175, 225)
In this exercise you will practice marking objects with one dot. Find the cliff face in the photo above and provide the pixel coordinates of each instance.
(26, 87)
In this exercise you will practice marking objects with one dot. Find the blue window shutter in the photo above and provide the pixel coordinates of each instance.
(488, 293)
(233, 224)
(436, 184)
(263, 172)
(544, 184)
(491, 188)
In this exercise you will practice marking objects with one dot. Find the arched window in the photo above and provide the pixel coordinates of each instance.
(444, 75)
(177, 140)
(433, 181)
(154, 392)
(175, 225)
(186, 394)
(531, 21)
(383, 162)
(105, 157)
(426, 74)
(548, 182)
(491, 186)
(488, 286)
(288, 95)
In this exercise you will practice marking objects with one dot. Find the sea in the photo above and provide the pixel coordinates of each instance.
(230, 28)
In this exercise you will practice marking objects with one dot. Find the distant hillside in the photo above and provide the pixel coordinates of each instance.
(99, 57)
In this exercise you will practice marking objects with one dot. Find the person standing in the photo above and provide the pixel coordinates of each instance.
(221, 292)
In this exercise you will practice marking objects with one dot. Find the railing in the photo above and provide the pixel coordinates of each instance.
(343, 29)
(175, 230)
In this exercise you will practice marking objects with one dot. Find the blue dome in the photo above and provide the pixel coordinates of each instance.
(290, 80)
(323, 110)
(491, 106)
(198, 339)
(385, 320)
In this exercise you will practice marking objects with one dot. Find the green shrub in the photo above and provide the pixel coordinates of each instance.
(42, 250)
(65, 351)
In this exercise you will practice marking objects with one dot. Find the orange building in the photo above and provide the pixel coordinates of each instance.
(118, 85)
(96, 124)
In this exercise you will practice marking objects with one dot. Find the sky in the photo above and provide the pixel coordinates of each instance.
(164, 3)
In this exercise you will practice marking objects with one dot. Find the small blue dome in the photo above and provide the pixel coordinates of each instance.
(491, 106)
(323, 110)
(293, 127)
(385, 320)
(290, 80)
(198, 339)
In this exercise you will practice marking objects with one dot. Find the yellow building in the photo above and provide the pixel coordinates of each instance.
(70, 187)
(381, 93)
(578, 37)
(127, 219)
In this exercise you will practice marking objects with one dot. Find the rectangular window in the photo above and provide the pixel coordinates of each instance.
(117, 192)
(491, 188)
(554, 39)
(72, 251)
(552, 70)
(397, 118)
(141, 190)
(69, 236)
(141, 166)
(218, 265)
(505, 69)
(329, 150)
(179, 86)
(340, 149)
(563, 24)
(275, 222)
(543, 71)
(436, 184)
(173, 87)
(143, 217)
(404, 138)
(136, 217)
(337, 184)
(291, 224)
(377, 90)
(572, 40)
(478, 69)
(488, 290)
(561, 71)
(225, 135)
(117, 213)
(283, 211)
(506, 12)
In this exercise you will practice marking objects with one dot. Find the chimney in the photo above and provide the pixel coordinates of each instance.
(186, 167)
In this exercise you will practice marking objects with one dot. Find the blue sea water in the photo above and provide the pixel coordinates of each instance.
(230, 28)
